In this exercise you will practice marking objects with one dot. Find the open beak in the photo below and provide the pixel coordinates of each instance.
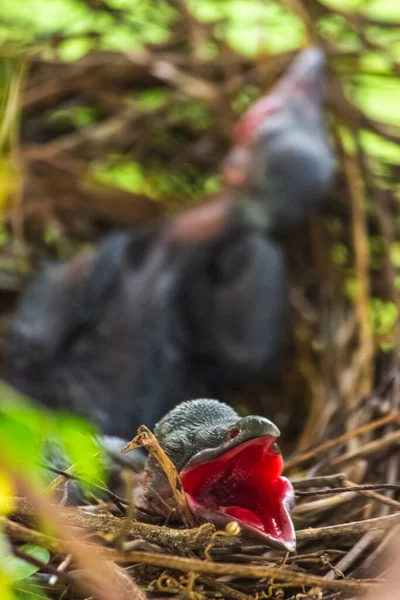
(300, 91)
(245, 484)
(304, 81)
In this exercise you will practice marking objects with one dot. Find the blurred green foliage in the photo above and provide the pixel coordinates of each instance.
(71, 28)
(16, 574)
(26, 429)
(155, 181)
(383, 316)
(17, 569)
(81, 27)
(11, 78)
(27, 435)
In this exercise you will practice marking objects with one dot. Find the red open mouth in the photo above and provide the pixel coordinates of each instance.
(245, 484)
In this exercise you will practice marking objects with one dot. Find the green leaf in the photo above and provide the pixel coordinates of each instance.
(72, 50)
(82, 447)
(383, 316)
(17, 568)
(22, 430)
(379, 97)
(339, 254)
(6, 494)
(395, 254)
(26, 590)
(6, 591)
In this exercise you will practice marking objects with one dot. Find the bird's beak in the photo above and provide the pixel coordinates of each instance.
(304, 81)
(300, 91)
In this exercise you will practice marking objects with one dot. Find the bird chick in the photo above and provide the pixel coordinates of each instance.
(230, 468)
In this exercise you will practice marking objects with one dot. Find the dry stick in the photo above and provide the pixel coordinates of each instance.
(378, 497)
(323, 504)
(120, 503)
(392, 465)
(191, 539)
(361, 253)
(18, 244)
(377, 555)
(350, 488)
(130, 514)
(334, 501)
(367, 539)
(382, 499)
(235, 570)
(353, 528)
(391, 473)
(367, 449)
(317, 398)
(371, 537)
(222, 588)
(356, 379)
(388, 236)
(145, 439)
(18, 532)
(353, 555)
(297, 460)
(63, 566)
(335, 480)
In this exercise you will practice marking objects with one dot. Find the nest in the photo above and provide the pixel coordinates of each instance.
(346, 518)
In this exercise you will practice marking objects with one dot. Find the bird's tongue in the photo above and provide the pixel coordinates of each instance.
(244, 514)
(264, 509)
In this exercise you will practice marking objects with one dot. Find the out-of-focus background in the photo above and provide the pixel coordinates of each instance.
(116, 111)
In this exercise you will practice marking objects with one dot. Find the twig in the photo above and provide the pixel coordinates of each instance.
(353, 528)
(354, 488)
(376, 557)
(237, 571)
(361, 252)
(191, 539)
(131, 512)
(222, 588)
(297, 460)
(368, 449)
(120, 503)
(60, 569)
(354, 554)
(379, 498)
(18, 532)
(323, 504)
(333, 480)
(145, 439)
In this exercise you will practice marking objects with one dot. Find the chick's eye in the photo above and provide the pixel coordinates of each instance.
(233, 433)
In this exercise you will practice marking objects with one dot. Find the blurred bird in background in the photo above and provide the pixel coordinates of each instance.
(190, 305)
